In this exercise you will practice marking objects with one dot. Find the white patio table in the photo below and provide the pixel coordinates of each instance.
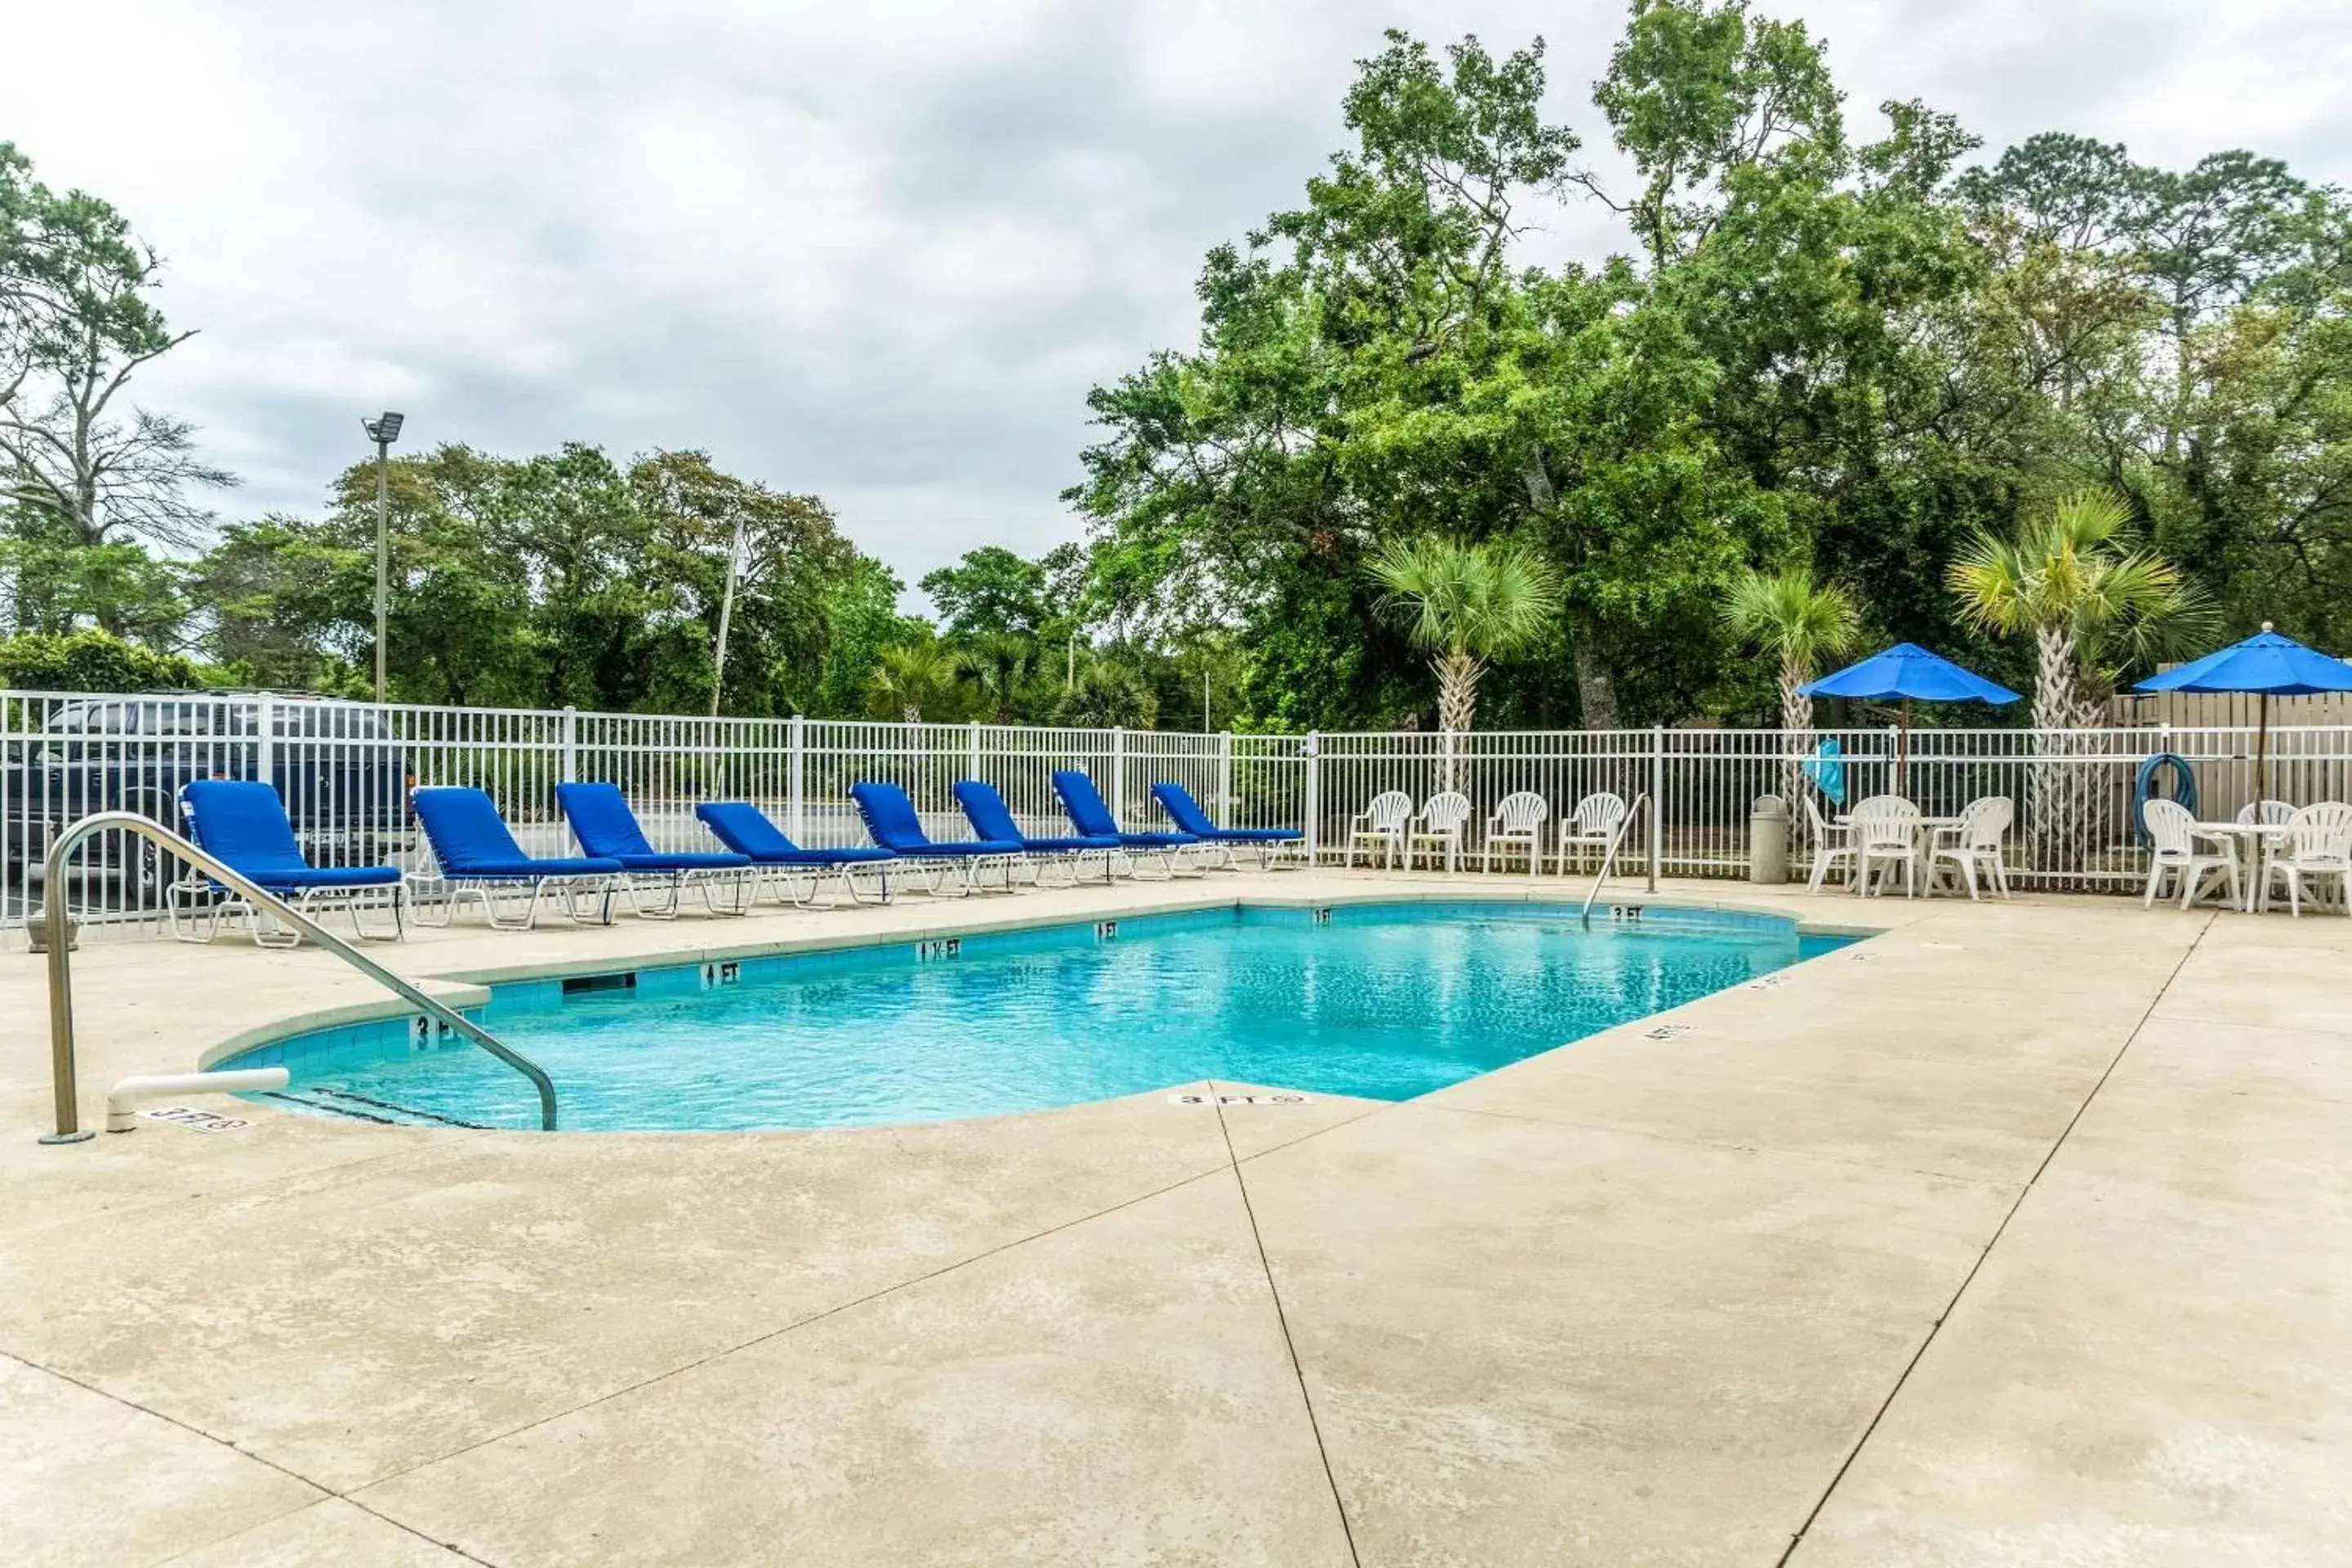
(1923, 842)
(2248, 841)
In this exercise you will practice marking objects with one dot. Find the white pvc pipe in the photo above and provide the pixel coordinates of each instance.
(122, 1118)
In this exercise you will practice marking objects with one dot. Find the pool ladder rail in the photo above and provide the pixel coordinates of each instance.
(1609, 857)
(59, 934)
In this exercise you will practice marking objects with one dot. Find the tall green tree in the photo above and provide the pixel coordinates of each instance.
(78, 322)
(991, 590)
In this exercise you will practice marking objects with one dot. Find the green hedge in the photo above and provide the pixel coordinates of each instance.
(90, 661)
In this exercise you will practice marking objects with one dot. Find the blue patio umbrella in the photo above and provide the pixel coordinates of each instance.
(2267, 664)
(1907, 672)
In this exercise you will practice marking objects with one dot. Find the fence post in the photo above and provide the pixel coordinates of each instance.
(1657, 799)
(796, 780)
(1313, 755)
(265, 744)
(1225, 777)
(971, 749)
(1118, 777)
(570, 731)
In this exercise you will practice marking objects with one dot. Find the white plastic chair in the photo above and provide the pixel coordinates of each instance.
(1977, 839)
(1885, 829)
(2318, 845)
(2268, 813)
(1381, 824)
(1439, 827)
(1592, 825)
(1517, 823)
(1833, 845)
(2175, 834)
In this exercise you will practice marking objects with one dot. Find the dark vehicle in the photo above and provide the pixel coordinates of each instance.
(342, 773)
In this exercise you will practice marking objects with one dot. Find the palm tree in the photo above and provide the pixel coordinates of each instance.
(1466, 603)
(910, 678)
(1000, 666)
(1800, 622)
(1107, 692)
(2091, 605)
(1797, 621)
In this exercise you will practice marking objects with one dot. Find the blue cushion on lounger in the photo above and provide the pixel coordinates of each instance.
(244, 822)
(745, 828)
(1186, 813)
(992, 819)
(600, 819)
(890, 818)
(471, 843)
(1093, 817)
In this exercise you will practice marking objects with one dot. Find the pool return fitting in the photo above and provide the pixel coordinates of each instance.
(58, 932)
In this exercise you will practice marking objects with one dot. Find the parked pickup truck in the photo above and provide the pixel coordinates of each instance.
(344, 774)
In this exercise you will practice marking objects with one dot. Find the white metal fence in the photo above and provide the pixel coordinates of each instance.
(345, 769)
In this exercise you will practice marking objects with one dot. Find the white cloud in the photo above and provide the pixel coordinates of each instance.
(878, 251)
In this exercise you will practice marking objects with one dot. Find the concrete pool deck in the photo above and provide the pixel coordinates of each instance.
(2020, 1233)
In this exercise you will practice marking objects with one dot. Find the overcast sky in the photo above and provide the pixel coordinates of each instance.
(878, 251)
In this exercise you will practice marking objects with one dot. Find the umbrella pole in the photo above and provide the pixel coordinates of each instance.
(1903, 750)
(2262, 751)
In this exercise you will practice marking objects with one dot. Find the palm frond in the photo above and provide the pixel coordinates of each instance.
(1786, 615)
(1484, 600)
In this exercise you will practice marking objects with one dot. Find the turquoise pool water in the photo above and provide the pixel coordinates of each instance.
(1382, 1001)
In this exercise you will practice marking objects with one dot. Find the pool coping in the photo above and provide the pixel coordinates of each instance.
(471, 987)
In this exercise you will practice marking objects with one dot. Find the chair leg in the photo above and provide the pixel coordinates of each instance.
(2155, 880)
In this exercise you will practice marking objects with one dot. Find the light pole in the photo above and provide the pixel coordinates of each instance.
(383, 430)
(726, 616)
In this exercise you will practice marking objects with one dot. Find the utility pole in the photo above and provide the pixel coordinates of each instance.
(383, 430)
(726, 617)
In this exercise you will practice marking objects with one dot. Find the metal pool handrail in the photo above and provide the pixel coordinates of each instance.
(1609, 859)
(57, 933)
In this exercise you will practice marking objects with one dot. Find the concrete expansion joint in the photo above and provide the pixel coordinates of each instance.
(1289, 1344)
(1952, 1306)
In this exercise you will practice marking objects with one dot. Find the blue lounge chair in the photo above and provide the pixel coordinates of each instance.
(244, 824)
(1270, 843)
(1091, 817)
(745, 828)
(992, 819)
(600, 819)
(473, 852)
(891, 818)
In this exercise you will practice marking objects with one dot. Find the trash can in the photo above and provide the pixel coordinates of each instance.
(1768, 840)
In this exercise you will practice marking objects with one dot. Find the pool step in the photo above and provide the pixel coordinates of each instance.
(366, 1108)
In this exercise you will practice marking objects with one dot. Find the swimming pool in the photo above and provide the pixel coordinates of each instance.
(1383, 1001)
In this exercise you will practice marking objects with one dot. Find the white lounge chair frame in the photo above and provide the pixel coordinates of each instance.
(194, 910)
(435, 900)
